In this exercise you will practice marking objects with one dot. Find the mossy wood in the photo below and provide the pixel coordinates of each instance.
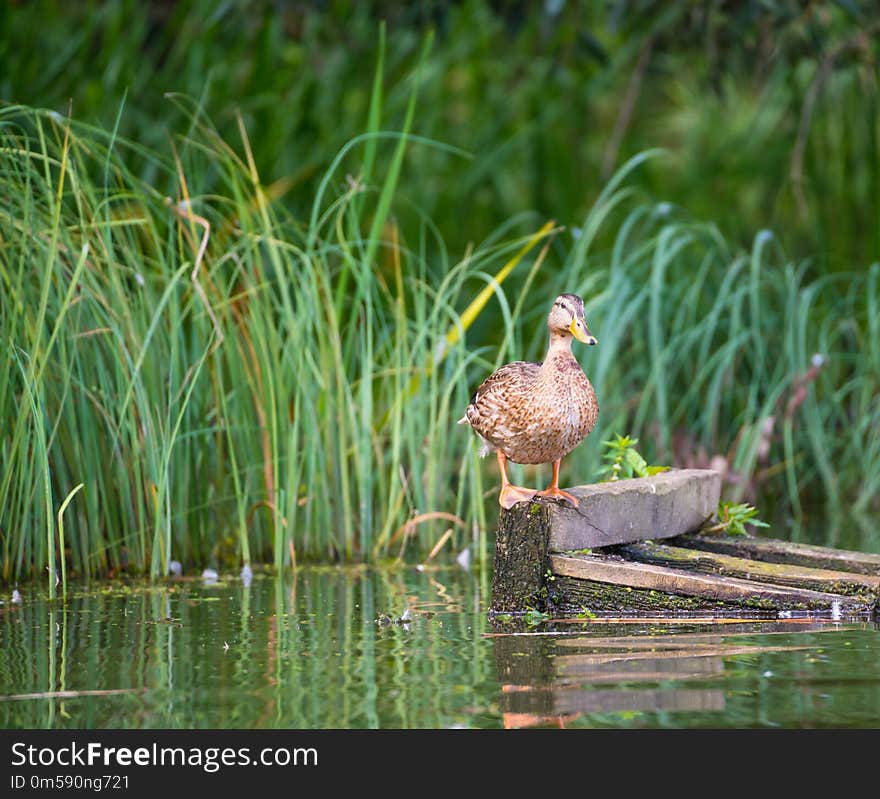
(774, 551)
(543, 559)
(521, 562)
(670, 585)
(814, 579)
(579, 596)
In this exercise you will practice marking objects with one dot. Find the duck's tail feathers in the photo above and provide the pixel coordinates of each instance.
(485, 446)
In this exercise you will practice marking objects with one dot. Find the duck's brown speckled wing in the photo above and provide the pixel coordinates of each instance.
(501, 401)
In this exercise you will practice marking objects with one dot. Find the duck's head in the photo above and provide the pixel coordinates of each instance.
(566, 318)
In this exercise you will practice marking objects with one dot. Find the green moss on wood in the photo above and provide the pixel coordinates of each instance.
(784, 552)
(521, 561)
(862, 587)
(576, 593)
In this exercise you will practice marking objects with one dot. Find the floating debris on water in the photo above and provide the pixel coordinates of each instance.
(384, 620)
(16, 596)
(210, 576)
(175, 569)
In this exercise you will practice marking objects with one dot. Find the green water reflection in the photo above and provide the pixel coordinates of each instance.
(329, 650)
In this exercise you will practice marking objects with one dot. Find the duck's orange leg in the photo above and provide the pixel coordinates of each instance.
(553, 491)
(511, 494)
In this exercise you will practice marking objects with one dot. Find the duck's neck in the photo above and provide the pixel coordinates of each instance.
(559, 350)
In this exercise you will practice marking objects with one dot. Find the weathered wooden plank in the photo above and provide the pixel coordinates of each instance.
(704, 562)
(574, 595)
(668, 504)
(710, 573)
(715, 619)
(776, 551)
(679, 585)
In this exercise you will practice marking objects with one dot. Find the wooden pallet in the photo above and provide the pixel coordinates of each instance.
(658, 567)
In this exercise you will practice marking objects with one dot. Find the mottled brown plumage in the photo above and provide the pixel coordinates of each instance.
(538, 412)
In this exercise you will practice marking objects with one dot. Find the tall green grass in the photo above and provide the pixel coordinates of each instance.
(229, 382)
(221, 379)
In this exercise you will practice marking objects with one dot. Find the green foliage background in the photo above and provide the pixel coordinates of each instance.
(769, 110)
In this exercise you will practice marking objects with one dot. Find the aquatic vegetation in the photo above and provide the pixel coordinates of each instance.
(230, 383)
(252, 366)
(534, 618)
(218, 380)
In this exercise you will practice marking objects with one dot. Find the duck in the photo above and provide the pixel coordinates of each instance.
(537, 413)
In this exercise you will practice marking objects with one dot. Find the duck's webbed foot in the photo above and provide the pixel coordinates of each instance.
(511, 494)
(553, 491)
(557, 493)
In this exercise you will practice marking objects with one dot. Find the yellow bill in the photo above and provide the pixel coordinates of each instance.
(579, 330)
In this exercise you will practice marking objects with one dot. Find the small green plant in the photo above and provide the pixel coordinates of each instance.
(585, 613)
(732, 519)
(535, 617)
(624, 460)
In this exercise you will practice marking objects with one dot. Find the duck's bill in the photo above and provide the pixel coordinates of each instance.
(581, 333)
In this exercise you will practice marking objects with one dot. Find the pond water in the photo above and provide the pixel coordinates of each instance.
(403, 648)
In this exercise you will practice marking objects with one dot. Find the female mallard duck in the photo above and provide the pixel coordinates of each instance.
(538, 412)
